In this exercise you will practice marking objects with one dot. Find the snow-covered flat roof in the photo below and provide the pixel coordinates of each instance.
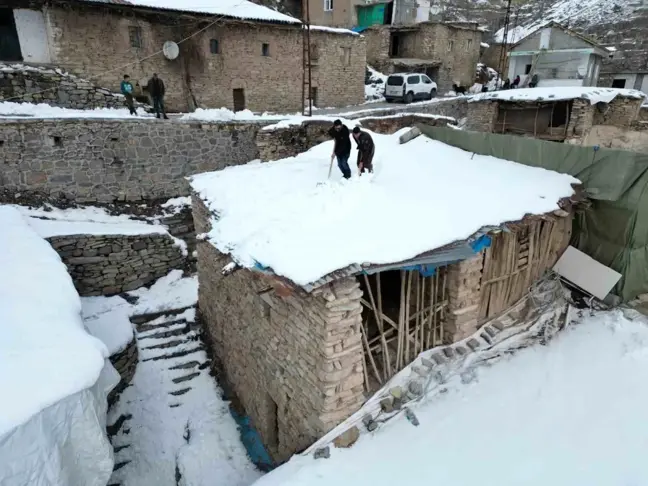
(593, 94)
(241, 9)
(45, 352)
(423, 195)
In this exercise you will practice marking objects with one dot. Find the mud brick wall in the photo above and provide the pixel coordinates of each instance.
(293, 359)
(111, 264)
(107, 160)
(620, 112)
(29, 84)
(482, 116)
(581, 118)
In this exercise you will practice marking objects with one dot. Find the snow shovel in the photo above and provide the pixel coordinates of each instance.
(330, 169)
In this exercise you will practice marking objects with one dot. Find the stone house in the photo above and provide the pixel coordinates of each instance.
(303, 357)
(572, 115)
(247, 57)
(559, 56)
(360, 14)
(447, 52)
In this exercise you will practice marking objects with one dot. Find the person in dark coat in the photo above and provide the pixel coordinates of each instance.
(534, 81)
(155, 88)
(516, 82)
(342, 148)
(366, 150)
(507, 84)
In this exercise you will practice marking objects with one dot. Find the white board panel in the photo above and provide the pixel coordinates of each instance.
(32, 35)
(590, 275)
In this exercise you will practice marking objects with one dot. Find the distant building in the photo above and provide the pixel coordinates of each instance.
(246, 56)
(362, 14)
(447, 52)
(558, 56)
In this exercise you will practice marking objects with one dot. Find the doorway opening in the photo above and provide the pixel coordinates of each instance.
(619, 83)
(9, 43)
(239, 99)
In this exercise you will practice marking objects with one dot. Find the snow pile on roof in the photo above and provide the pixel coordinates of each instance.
(107, 319)
(333, 30)
(241, 9)
(593, 94)
(43, 110)
(303, 231)
(224, 114)
(569, 413)
(45, 352)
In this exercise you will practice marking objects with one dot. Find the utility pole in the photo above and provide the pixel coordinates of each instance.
(504, 49)
(307, 91)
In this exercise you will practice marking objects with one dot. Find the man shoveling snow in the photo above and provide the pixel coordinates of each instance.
(366, 150)
(342, 148)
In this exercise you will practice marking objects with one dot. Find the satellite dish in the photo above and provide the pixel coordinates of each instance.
(170, 50)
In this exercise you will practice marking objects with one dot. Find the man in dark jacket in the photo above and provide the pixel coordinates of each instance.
(155, 88)
(366, 149)
(342, 147)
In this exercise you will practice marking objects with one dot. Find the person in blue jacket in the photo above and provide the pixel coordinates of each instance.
(127, 91)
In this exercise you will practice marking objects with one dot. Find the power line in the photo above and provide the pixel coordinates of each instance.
(136, 61)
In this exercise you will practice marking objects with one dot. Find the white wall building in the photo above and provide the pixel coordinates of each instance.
(559, 57)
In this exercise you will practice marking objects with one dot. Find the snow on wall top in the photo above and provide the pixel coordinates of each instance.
(45, 352)
(241, 9)
(422, 196)
(593, 94)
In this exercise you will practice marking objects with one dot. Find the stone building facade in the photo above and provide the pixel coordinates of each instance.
(228, 63)
(446, 52)
(300, 362)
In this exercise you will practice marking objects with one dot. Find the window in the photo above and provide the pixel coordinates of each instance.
(213, 46)
(265, 49)
(426, 80)
(619, 83)
(527, 69)
(346, 56)
(395, 81)
(135, 36)
(468, 44)
(413, 79)
(328, 5)
(239, 99)
(450, 45)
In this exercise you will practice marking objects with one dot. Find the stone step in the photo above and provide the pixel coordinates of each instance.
(144, 318)
(142, 328)
(188, 377)
(186, 366)
(182, 391)
(114, 429)
(177, 354)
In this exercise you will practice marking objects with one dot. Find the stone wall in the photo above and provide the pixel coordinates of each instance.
(111, 264)
(28, 84)
(125, 362)
(279, 143)
(463, 286)
(115, 160)
(294, 361)
(91, 40)
(482, 116)
(620, 112)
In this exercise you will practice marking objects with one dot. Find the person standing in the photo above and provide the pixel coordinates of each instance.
(342, 148)
(516, 82)
(155, 88)
(366, 150)
(127, 91)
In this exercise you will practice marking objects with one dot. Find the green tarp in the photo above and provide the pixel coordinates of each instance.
(615, 230)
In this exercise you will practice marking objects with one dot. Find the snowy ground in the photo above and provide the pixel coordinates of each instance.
(171, 426)
(41, 110)
(297, 219)
(568, 413)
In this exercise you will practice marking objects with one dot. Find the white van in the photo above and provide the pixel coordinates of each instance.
(409, 87)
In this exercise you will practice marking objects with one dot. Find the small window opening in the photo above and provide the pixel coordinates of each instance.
(1, 143)
(314, 95)
(213, 46)
(265, 49)
(619, 83)
(135, 36)
(239, 99)
(58, 141)
(468, 44)
(450, 45)
(328, 5)
(272, 430)
(527, 69)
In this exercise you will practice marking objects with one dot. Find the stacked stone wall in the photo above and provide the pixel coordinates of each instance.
(19, 83)
(620, 112)
(125, 362)
(294, 360)
(106, 160)
(482, 116)
(463, 286)
(111, 264)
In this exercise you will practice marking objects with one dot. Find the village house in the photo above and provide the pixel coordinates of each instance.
(305, 327)
(359, 14)
(576, 115)
(237, 55)
(446, 52)
(558, 56)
